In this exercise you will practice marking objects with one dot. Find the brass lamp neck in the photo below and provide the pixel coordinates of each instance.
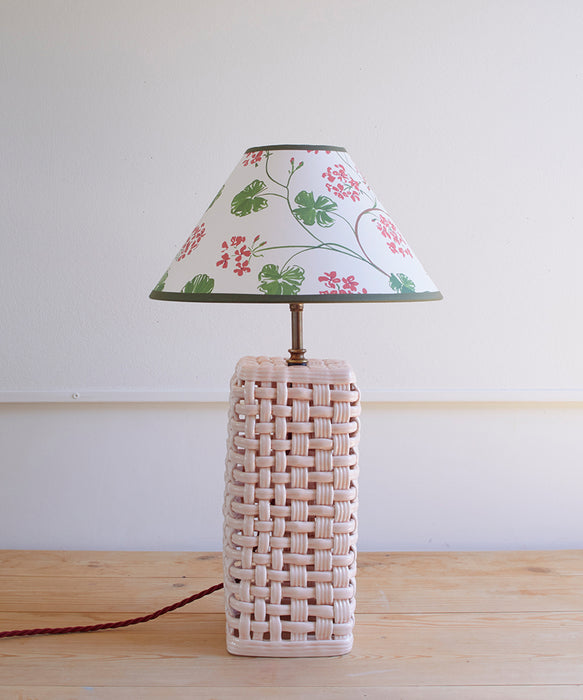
(297, 351)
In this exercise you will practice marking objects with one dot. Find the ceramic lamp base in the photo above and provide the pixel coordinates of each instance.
(290, 508)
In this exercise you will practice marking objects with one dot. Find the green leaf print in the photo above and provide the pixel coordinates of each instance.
(247, 200)
(311, 212)
(201, 284)
(401, 283)
(276, 281)
(160, 286)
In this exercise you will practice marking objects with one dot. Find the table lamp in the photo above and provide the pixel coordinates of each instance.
(293, 224)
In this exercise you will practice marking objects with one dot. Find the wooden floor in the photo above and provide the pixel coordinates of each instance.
(463, 626)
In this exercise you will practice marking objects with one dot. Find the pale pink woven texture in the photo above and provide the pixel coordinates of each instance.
(290, 508)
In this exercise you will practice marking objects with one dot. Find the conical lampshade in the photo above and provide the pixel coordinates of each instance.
(295, 223)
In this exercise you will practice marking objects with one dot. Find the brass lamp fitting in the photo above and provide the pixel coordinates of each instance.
(297, 352)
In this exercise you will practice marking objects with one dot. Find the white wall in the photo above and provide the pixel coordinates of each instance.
(151, 477)
(120, 121)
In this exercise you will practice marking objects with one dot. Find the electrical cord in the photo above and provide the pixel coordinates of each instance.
(112, 625)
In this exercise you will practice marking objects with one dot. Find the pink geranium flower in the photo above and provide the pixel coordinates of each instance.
(192, 243)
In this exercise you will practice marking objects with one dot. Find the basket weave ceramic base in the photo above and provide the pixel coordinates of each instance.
(290, 508)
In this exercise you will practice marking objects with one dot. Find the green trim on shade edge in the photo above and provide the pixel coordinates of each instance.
(292, 147)
(291, 298)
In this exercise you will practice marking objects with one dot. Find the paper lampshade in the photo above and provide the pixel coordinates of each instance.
(295, 224)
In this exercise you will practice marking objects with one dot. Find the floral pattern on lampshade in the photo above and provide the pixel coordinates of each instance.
(295, 222)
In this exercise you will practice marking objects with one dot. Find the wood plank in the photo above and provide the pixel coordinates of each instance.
(531, 592)
(74, 564)
(404, 565)
(524, 692)
(430, 626)
(534, 593)
(386, 582)
(470, 581)
(119, 596)
(390, 650)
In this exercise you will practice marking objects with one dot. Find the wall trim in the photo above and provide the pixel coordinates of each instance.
(368, 396)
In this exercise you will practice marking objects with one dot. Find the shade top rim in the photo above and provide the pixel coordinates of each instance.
(295, 147)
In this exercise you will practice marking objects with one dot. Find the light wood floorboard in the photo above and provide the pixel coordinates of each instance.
(430, 626)
(525, 692)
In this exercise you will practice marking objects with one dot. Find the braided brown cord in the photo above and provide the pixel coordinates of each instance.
(112, 625)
